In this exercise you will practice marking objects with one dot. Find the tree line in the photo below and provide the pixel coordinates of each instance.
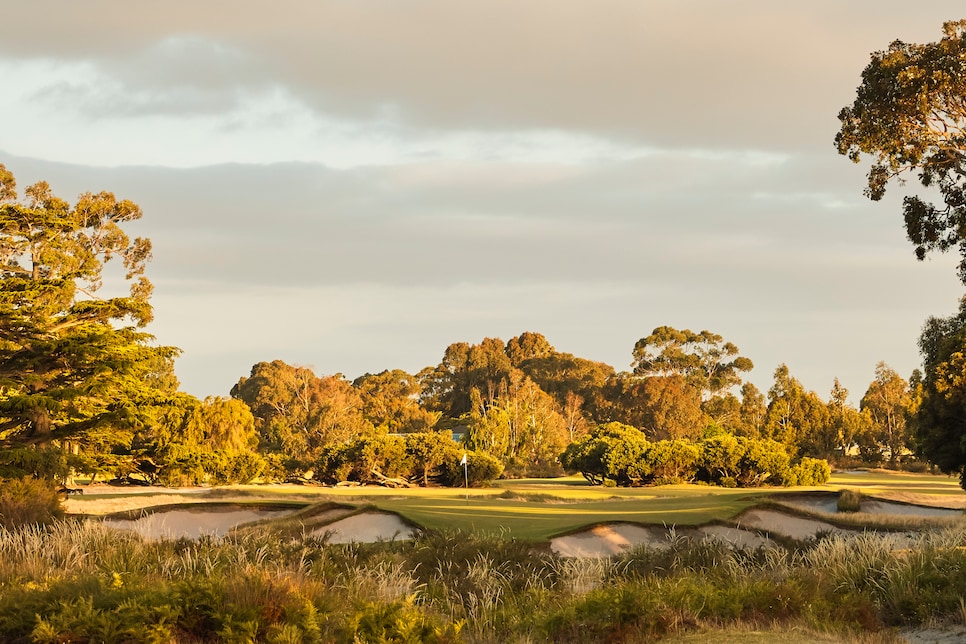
(83, 387)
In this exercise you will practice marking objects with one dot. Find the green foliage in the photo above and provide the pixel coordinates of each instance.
(51, 463)
(74, 367)
(704, 359)
(183, 465)
(665, 406)
(940, 420)
(888, 402)
(811, 471)
(390, 401)
(909, 116)
(298, 414)
(398, 623)
(481, 469)
(621, 454)
(430, 452)
(28, 501)
(609, 451)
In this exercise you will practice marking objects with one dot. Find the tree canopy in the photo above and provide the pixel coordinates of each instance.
(909, 115)
(74, 366)
(704, 359)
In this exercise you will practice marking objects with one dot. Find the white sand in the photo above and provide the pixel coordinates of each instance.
(736, 537)
(875, 506)
(605, 540)
(786, 524)
(193, 523)
(367, 527)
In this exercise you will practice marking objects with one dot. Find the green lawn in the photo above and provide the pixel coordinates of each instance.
(539, 509)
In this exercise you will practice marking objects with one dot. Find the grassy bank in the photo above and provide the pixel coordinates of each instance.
(87, 583)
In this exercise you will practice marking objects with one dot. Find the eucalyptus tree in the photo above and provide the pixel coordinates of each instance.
(704, 359)
(909, 116)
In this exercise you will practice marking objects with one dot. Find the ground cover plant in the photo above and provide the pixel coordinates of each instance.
(83, 582)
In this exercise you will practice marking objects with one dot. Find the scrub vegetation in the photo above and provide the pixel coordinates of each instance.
(84, 582)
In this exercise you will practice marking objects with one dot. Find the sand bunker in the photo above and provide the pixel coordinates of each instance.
(876, 506)
(367, 527)
(606, 540)
(829, 505)
(786, 525)
(736, 537)
(194, 522)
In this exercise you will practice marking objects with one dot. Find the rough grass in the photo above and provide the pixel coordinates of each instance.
(86, 582)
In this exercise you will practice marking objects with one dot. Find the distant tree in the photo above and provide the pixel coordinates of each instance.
(390, 401)
(663, 406)
(76, 370)
(724, 411)
(888, 400)
(522, 428)
(610, 451)
(910, 117)
(222, 424)
(528, 346)
(298, 413)
(446, 387)
(704, 359)
(848, 427)
(430, 452)
(565, 376)
(752, 412)
(795, 416)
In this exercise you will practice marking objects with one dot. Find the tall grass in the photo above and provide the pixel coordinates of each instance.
(86, 582)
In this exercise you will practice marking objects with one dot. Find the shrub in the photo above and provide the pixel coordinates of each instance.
(812, 471)
(849, 501)
(28, 501)
(481, 469)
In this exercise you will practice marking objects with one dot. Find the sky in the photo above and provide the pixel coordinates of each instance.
(353, 185)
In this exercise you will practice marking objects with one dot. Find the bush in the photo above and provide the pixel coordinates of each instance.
(28, 501)
(849, 501)
(812, 471)
(481, 469)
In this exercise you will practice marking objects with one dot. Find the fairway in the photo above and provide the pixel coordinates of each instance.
(539, 509)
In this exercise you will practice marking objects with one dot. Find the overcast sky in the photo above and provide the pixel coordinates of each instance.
(353, 185)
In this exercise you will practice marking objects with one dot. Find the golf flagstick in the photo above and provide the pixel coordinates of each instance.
(466, 478)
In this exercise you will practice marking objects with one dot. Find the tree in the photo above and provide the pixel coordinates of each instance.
(528, 346)
(430, 452)
(909, 115)
(940, 421)
(75, 367)
(521, 427)
(390, 401)
(664, 407)
(752, 412)
(610, 451)
(222, 424)
(704, 359)
(888, 400)
(484, 366)
(795, 416)
(848, 427)
(298, 413)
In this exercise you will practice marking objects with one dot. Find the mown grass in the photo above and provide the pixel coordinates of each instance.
(542, 508)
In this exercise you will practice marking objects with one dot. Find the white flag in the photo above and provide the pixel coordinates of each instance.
(463, 462)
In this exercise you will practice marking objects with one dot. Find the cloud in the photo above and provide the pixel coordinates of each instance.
(751, 75)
